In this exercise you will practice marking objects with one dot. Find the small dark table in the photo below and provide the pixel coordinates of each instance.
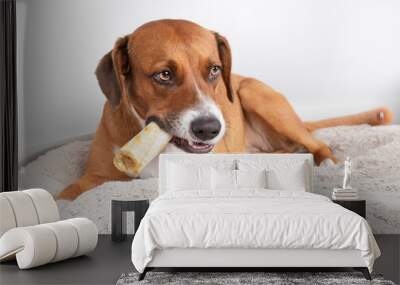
(357, 206)
(118, 216)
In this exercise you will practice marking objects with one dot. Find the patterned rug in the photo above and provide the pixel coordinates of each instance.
(243, 278)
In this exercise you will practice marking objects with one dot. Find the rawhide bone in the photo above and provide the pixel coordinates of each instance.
(133, 157)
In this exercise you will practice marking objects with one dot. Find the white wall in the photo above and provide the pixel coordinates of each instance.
(328, 57)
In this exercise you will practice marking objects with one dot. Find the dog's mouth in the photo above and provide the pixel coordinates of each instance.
(191, 146)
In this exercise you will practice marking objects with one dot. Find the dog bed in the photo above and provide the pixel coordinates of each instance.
(375, 152)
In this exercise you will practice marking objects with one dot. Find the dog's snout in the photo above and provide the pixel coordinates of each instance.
(205, 128)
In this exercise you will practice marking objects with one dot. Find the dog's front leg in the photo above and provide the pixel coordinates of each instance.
(83, 184)
(276, 112)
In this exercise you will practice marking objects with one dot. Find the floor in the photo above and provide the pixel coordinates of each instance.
(110, 260)
(103, 266)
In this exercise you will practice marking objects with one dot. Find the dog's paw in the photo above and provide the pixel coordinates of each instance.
(323, 154)
(380, 116)
(70, 193)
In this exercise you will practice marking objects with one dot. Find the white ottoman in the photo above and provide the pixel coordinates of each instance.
(31, 232)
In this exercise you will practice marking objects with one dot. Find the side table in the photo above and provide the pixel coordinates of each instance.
(357, 206)
(118, 216)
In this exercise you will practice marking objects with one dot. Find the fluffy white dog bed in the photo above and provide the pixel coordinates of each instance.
(375, 152)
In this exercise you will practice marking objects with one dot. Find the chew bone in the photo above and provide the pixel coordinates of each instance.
(133, 157)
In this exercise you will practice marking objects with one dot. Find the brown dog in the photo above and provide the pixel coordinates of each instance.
(178, 74)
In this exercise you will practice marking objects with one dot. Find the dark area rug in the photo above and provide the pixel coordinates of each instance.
(269, 278)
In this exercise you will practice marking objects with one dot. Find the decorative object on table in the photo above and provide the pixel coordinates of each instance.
(118, 216)
(267, 278)
(346, 192)
(356, 206)
(347, 173)
(31, 232)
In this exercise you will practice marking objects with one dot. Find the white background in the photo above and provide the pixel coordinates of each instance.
(328, 57)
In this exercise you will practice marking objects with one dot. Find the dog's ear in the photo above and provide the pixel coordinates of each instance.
(225, 56)
(112, 69)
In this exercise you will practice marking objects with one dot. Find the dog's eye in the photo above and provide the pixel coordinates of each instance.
(214, 72)
(163, 77)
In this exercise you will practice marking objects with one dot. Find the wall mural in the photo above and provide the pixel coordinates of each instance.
(174, 92)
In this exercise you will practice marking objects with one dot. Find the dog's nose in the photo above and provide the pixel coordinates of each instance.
(205, 128)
